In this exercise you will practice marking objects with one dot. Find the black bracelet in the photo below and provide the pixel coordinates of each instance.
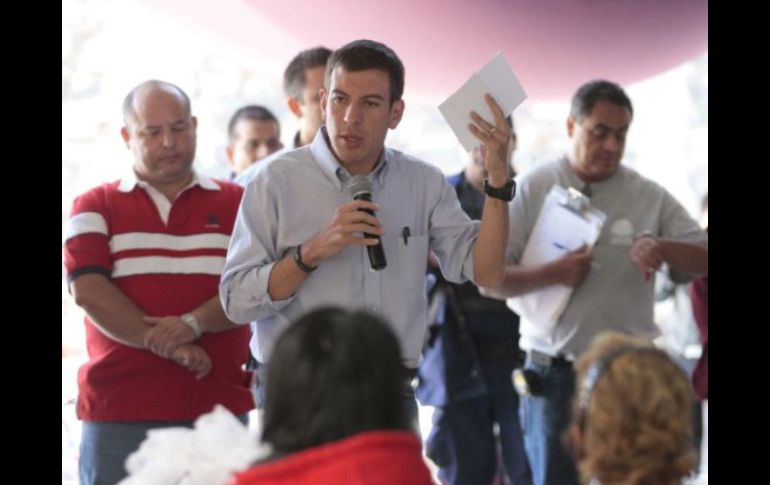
(298, 259)
(504, 193)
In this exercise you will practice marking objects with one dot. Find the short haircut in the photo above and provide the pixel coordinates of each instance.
(594, 91)
(251, 112)
(361, 55)
(295, 75)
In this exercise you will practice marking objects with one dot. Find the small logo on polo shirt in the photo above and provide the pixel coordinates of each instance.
(622, 233)
(212, 221)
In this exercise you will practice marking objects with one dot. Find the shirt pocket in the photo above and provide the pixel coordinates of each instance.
(409, 259)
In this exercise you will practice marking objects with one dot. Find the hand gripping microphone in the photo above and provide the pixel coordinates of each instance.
(361, 189)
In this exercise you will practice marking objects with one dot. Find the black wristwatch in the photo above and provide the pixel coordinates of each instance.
(298, 259)
(506, 192)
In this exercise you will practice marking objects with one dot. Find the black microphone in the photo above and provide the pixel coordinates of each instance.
(361, 189)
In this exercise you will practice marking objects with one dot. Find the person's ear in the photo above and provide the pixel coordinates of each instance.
(294, 106)
(324, 95)
(570, 125)
(396, 113)
(126, 135)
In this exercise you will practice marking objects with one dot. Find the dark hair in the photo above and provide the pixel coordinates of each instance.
(363, 54)
(594, 91)
(251, 112)
(333, 373)
(295, 77)
(128, 101)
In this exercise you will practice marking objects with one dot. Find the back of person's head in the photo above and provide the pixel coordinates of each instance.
(592, 92)
(295, 75)
(632, 414)
(361, 55)
(332, 374)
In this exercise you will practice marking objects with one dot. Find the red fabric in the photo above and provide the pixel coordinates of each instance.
(121, 383)
(370, 458)
(699, 294)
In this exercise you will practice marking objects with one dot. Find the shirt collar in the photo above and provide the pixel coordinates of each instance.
(130, 181)
(335, 172)
(589, 189)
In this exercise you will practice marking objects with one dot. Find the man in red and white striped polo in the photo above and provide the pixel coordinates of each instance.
(143, 258)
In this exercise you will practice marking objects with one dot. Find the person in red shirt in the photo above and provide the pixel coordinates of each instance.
(143, 258)
(333, 410)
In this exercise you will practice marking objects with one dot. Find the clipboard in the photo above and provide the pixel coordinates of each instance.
(566, 222)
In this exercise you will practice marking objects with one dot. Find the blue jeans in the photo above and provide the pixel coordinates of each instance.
(544, 418)
(104, 447)
(462, 442)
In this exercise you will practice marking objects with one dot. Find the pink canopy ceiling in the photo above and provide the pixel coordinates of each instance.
(553, 45)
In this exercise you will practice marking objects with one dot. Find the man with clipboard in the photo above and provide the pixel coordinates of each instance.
(612, 283)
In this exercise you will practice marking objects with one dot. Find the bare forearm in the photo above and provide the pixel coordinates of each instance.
(113, 313)
(687, 257)
(519, 280)
(212, 317)
(489, 250)
(285, 278)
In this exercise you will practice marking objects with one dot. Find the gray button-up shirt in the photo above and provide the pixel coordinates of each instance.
(294, 196)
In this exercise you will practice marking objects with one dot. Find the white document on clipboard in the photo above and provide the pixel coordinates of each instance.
(566, 222)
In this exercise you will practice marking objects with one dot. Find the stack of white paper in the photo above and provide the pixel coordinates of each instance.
(558, 230)
(496, 78)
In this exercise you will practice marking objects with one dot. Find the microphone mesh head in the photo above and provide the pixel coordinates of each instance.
(359, 184)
